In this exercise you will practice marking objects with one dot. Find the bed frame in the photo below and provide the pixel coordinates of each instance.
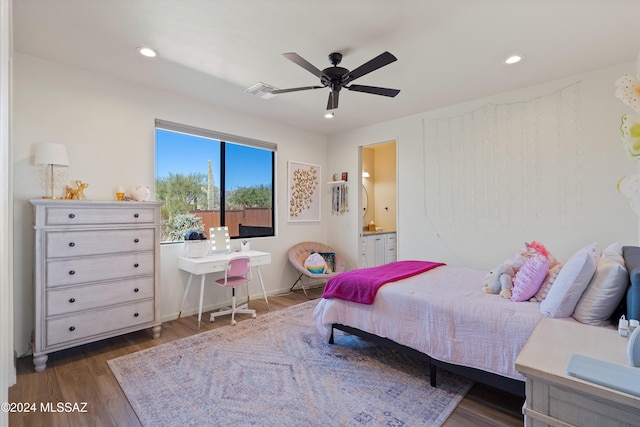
(509, 385)
(630, 306)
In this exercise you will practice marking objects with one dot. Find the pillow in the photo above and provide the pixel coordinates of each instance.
(330, 260)
(614, 251)
(529, 278)
(604, 293)
(548, 281)
(315, 264)
(593, 249)
(614, 248)
(568, 287)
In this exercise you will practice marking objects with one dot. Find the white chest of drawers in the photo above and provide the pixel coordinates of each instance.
(96, 272)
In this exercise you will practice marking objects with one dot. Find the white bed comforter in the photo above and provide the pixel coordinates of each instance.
(445, 314)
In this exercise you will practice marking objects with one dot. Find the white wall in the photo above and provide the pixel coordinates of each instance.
(591, 210)
(108, 128)
(7, 368)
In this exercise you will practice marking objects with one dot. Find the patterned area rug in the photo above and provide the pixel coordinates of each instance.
(276, 371)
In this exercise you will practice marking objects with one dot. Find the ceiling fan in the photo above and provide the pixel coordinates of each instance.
(336, 78)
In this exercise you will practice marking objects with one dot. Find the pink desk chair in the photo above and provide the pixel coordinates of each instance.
(237, 273)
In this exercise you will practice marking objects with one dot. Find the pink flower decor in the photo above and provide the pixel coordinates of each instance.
(630, 130)
(628, 90)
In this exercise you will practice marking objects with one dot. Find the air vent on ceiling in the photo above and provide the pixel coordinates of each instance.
(261, 90)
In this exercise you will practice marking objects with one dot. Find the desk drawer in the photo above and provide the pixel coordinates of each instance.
(99, 216)
(94, 269)
(96, 242)
(80, 298)
(261, 260)
(81, 326)
(217, 263)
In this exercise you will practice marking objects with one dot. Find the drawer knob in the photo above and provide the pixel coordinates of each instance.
(72, 300)
(136, 265)
(71, 215)
(72, 244)
(136, 314)
(136, 240)
(136, 290)
(72, 272)
(72, 328)
(136, 215)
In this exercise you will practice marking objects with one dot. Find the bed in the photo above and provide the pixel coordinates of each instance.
(442, 315)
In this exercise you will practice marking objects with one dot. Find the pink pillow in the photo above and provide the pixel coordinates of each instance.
(529, 278)
(542, 293)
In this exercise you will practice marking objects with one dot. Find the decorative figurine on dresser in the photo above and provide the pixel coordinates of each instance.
(97, 272)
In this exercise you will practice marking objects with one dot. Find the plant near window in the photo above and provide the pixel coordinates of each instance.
(181, 224)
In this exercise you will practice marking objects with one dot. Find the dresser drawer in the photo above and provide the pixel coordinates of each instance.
(73, 271)
(81, 326)
(100, 216)
(80, 298)
(61, 244)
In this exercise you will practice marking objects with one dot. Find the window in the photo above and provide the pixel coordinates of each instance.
(199, 171)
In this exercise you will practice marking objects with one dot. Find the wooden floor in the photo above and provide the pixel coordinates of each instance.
(81, 375)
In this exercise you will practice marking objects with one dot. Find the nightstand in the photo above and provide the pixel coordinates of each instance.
(557, 399)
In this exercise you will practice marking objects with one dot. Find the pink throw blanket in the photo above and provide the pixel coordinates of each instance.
(362, 285)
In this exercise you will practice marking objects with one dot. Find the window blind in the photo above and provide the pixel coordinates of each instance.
(220, 136)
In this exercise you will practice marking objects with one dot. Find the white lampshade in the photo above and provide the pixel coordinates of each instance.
(48, 153)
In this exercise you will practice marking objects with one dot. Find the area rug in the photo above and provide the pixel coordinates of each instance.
(275, 370)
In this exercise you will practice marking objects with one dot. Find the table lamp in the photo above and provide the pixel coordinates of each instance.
(51, 155)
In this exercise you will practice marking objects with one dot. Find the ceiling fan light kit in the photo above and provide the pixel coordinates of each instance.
(336, 78)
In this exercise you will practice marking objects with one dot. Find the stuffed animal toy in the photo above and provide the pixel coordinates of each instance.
(499, 280)
(515, 262)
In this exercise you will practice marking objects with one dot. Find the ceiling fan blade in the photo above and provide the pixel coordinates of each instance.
(295, 89)
(374, 90)
(332, 103)
(379, 61)
(299, 60)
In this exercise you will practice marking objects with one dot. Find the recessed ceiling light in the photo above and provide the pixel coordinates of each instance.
(329, 115)
(146, 51)
(514, 59)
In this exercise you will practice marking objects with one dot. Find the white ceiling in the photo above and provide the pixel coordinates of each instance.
(448, 51)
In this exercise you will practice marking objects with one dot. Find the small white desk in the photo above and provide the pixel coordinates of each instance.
(215, 264)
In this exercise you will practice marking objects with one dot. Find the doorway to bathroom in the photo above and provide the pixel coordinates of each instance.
(378, 192)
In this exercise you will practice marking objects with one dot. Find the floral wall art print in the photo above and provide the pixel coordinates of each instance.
(304, 192)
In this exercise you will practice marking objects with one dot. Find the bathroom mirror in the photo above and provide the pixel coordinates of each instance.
(365, 201)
